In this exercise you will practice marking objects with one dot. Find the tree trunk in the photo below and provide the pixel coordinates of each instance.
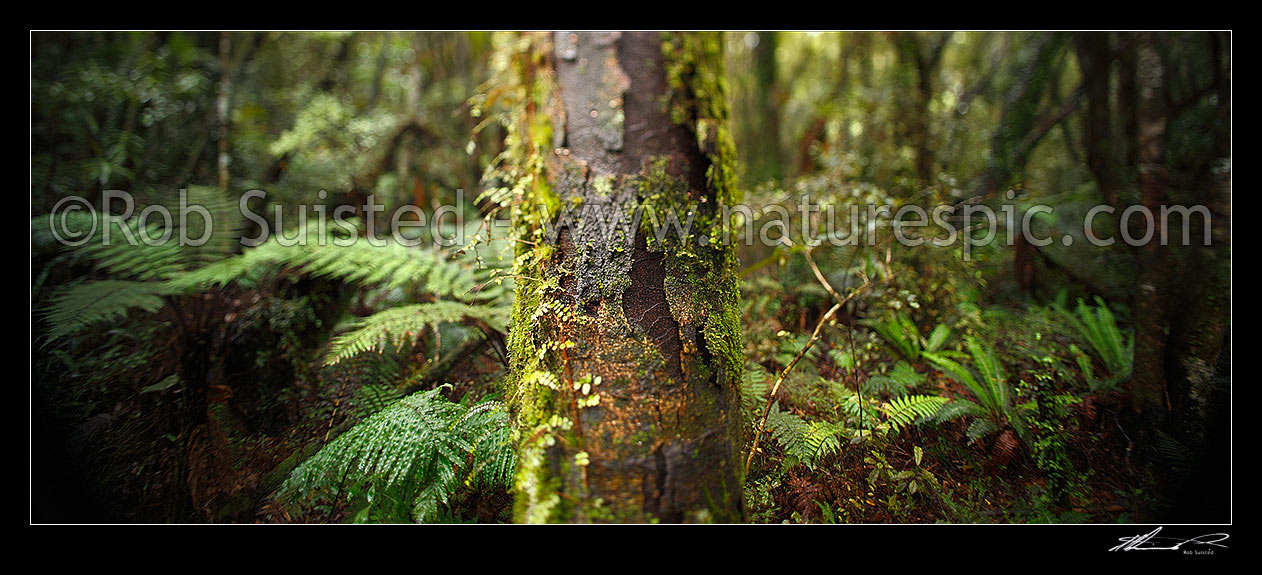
(625, 346)
(1148, 388)
(223, 109)
(924, 60)
(1095, 61)
(766, 157)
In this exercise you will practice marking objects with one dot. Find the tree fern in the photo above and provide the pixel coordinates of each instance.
(80, 305)
(359, 260)
(213, 240)
(373, 397)
(407, 459)
(401, 325)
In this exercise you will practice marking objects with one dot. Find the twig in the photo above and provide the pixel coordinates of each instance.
(819, 327)
(762, 422)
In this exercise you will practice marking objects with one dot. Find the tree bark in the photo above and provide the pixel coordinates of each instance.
(1148, 387)
(625, 346)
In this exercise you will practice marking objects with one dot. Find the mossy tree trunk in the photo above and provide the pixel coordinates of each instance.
(625, 344)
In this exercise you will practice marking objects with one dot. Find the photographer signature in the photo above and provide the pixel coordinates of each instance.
(1151, 542)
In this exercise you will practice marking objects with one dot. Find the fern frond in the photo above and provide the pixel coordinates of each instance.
(981, 427)
(901, 379)
(808, 442)
(903, 411)
(786, 427)
(404, 324)
(755, 383)
(492, 460)
(360, 260)
(937, 337)
(80, 305)
(1099, 328)
(214, 240)
(372, 397)
(901, 333)
(820, 440)
(416, 449)
(957, 408)
(141, 260)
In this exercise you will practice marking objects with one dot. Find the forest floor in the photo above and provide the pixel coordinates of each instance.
(961, 482)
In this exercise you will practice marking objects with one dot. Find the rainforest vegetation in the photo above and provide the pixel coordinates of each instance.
(637, 277)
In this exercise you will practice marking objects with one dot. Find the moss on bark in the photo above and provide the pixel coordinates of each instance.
(625, 345)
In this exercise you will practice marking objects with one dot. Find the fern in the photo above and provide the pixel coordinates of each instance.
(389, 264)
(493, 458)
(408, 459)
(820, 440)
(994, 399)
(903, 411)
(899, 381)
(980, 428)
(807, 442)
(957, 408)
(225, 226)
(403, 325)
(372, 398)
(786, 428)
(140, 261)
(901, 333)
(1099, 328)
(80, 305)
(755, 383)
(125, 249)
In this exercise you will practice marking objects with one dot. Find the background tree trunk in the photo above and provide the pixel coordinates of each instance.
(766, 159)
(1148, 389)
(625, 347)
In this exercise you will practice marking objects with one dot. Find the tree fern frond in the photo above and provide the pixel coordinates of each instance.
(372, 397)
(361, 260)
(404, 324)
(80, 305)
(214, 240)
(411, 450)
(141, 260)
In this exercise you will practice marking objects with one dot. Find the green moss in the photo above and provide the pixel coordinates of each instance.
(700, 283)
(698, 101)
